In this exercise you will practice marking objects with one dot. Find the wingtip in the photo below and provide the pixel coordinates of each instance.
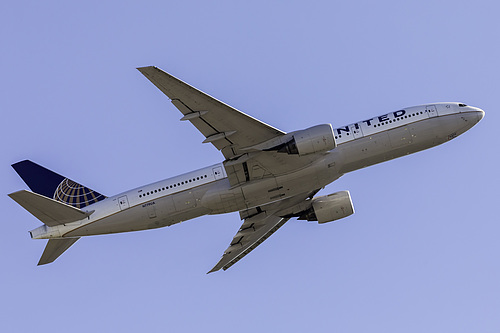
(141, 69)
(41, 262)
(212, 270)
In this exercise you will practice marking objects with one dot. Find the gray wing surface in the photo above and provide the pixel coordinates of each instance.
(54, 248)
(228, 129)
(260, 223)
(252, 233)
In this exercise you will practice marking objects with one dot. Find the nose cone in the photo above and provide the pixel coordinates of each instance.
(473, 114)
(469, 117)
(480, 115)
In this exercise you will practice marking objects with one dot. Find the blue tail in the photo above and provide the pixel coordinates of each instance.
(52, 185)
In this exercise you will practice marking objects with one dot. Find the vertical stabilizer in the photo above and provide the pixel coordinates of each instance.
(52, 185)
(54, 248)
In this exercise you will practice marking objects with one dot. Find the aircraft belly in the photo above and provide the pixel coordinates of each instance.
(128, 220)
(363, 152)
(400, 137)
(222, 198)
(309, 179)
(401, 141)
(157, 213)
(438, 130)
(285, 186)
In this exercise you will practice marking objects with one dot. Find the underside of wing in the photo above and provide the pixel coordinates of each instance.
(252, 233)
(259, 223)
(228, 129)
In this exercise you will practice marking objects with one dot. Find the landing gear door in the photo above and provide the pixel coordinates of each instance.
(431, 110)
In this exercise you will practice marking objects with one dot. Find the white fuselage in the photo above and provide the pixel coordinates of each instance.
(208, 190)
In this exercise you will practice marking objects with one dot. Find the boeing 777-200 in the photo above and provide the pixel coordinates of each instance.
(269, 176)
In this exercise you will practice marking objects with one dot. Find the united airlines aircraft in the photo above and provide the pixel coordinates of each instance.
(269, 176)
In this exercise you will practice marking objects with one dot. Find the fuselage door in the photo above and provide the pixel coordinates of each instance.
(123, 202)
(218, 172)
(356, 131)
(431, 110)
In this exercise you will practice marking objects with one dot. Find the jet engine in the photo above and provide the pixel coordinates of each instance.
(309, 141)
(329, 208)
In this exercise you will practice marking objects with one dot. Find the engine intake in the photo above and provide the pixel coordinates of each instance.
(309, 141)
(329, 208)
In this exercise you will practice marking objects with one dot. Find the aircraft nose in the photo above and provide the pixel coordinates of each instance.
(480, 115)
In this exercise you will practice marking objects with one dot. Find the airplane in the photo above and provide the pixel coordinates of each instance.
(267, 175)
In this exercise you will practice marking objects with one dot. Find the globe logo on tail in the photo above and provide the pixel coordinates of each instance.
(76, 195)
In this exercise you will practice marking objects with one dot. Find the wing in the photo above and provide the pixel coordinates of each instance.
(228, 129)
(260, 223)
(252, 233)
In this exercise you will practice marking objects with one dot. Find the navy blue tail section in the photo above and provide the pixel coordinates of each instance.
(50, 184)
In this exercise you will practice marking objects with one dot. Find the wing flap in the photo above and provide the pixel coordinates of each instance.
(49, 211)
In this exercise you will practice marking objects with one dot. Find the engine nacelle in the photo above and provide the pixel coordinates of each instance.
(309, 141)
(330, 207)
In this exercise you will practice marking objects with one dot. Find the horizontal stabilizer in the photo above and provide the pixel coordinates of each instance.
(54, 248)
(49, 211)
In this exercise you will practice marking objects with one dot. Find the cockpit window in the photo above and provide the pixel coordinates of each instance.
(462, 105)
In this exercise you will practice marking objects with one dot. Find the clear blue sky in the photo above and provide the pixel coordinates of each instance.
(421, 252)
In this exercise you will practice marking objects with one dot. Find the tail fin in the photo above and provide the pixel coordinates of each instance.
(54, 248)
(52, 185)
